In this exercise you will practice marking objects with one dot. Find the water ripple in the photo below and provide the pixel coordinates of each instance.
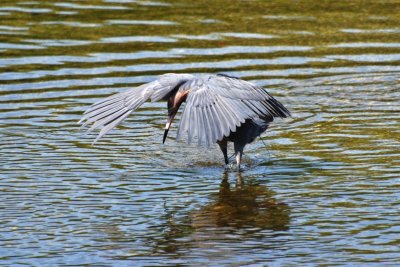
(79, 6)
(141, 22)
(320, 188)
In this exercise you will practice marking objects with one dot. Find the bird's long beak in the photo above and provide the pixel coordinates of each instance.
(168, 125)
(173, 105)
(166, 131)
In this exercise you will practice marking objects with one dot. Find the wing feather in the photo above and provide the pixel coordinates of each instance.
(107, 127)
(191, 124)
(111, 111)
(221, 120)
(217, 105)
(184, 121)
(102, 118)
(212, 127)
(101, 113)
(224, 118)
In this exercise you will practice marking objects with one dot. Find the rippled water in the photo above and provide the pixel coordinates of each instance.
(322, 189)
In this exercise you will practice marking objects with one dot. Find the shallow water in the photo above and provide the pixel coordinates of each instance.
(321, 189)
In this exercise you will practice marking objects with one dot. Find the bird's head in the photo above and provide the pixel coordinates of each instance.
(174, 102)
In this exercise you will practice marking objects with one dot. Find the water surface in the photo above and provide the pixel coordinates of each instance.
(321, 189)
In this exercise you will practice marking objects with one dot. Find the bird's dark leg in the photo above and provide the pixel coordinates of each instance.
(223, 145)
(238, 152)
(239, 180)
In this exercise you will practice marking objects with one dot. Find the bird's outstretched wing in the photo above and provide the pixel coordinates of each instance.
(218, 104)
(111, 111)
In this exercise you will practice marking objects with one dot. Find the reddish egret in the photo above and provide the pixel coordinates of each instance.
(219, 109)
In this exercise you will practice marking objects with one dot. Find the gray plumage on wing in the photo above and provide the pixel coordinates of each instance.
(218, 109)
(215, 106)
(111, 111)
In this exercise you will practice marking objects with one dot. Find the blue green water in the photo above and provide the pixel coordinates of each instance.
(321, 190)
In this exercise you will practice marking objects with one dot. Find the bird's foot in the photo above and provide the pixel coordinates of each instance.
(233, 167)
(229, 166)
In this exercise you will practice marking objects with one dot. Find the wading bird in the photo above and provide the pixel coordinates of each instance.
(219, 109)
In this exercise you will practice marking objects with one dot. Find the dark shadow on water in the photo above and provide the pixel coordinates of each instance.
(241, 209)
(243, 205)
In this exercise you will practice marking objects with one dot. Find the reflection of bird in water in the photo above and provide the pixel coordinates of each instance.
(234, 212)
(247, 205)
(219, 109)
